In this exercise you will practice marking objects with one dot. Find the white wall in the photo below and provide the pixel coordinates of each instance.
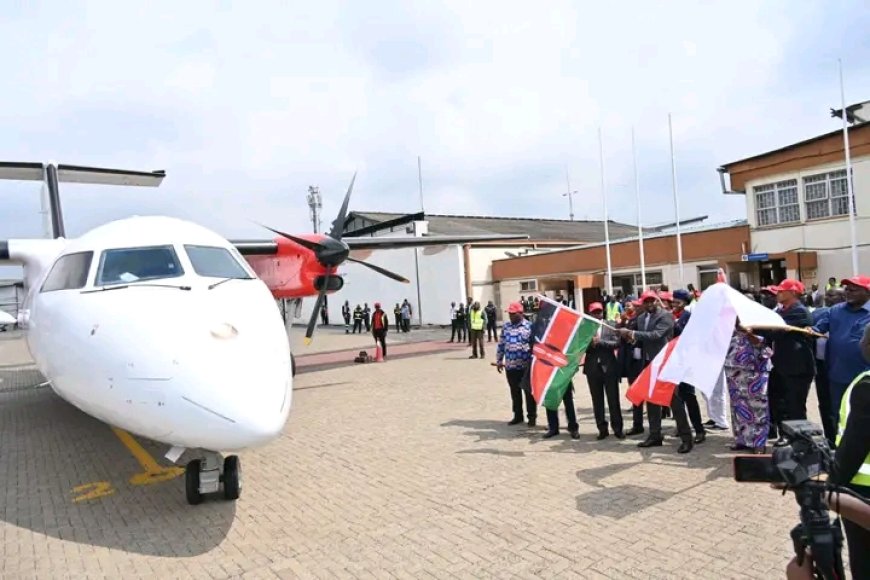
(830, 238)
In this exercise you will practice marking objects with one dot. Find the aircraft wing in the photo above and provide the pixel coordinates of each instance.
(384, 243)
(268, 247)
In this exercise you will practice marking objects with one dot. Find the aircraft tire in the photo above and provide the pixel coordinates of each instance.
(191, 482)
(232, 477)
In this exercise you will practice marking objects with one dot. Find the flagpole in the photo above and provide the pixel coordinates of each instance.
(849, 191)
(606, 217)
(637, 202)
(676, 200)
(416, 254)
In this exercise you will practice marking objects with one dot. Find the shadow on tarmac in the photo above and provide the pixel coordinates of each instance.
(67, 476)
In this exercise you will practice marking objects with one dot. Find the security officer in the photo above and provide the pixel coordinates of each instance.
(357, 319)
(853, 458)
(491, 330)
(614, 309)
(476, 323)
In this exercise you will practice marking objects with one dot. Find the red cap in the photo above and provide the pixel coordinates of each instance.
(648, 295)
(770, 289)
(596, 306)
(637, 303)
(515, 308)
(862, 281)
(789, 285)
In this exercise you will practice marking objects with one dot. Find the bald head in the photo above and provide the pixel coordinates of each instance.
(834, 296)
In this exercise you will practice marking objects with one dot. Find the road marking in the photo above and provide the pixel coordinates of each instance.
(97, 489)
(154, 472)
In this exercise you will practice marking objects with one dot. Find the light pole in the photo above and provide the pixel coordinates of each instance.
(570, 195)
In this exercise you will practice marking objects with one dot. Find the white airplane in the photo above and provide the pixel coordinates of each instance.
(162, 328)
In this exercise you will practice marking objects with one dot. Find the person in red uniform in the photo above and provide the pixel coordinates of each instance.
(380, 326)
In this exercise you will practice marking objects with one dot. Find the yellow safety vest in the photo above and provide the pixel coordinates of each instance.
(612, 311)
(476, 320)
(863, 475)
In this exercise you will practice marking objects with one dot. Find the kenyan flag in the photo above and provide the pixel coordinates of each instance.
(560, 336)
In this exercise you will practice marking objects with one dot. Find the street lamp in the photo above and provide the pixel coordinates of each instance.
(570, 195)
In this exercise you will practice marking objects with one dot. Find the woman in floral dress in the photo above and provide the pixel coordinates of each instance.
(747, 368)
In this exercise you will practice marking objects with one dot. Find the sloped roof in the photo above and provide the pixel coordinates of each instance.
(538, 229)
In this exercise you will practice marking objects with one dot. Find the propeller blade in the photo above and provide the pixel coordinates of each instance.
(338, 225)
(380, 270)
(314, 246)
(318, 304)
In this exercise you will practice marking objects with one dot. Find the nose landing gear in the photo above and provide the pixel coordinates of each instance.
(204, 476)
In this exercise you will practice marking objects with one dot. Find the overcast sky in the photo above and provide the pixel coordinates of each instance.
(246, 104)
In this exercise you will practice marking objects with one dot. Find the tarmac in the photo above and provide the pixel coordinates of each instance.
(401, 469)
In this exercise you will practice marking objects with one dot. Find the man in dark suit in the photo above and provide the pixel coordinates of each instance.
(602, 374)
(655, 328)
(794, 363)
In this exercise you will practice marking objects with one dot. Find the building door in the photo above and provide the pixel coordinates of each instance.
(590, 295)
(571, 297)
(771, 272)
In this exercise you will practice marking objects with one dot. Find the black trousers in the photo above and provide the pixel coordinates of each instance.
(398, 322)
(460, 331)
(368, 322)
(858, 538)
(678, 408)
(477, 339)
(823, 394)
(519, 389)
(491, 331)
(603, 386)
(788, 397)
(381, 337)
(357, 326)
(570, 413)
(454, 330)
(687, 394)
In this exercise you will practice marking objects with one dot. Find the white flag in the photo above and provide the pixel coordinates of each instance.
(699, 356)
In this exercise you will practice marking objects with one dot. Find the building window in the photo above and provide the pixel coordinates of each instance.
(707, 276)
(777, 203)
(529, 286)
(826, 195)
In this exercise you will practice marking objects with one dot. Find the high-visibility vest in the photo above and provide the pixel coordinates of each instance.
(476, 320)
(612, 311)
(863, 475)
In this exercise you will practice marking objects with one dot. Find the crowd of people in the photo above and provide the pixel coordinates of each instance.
(767, 375)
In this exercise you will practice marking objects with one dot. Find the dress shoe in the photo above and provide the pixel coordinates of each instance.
(575, 434)
(515, 421)
(619, 435)
(715, 427)
(650, 442)
(709, 423)
(738, 447)
(781, 442)
(685, 446)
(602, 436)
(531, 422)
(634, 431)
(473, 356)
(701, 437)
(550, 434)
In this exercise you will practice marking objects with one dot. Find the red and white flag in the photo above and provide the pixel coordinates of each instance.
(648, 386)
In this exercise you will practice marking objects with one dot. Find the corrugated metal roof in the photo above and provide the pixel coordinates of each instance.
(538, 229)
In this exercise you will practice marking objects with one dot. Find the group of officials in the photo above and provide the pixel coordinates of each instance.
(648, 324)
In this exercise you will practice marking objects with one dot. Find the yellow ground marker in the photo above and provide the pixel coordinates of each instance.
(93, 490)
(154, 472)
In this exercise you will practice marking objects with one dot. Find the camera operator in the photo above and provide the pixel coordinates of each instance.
(853, 459)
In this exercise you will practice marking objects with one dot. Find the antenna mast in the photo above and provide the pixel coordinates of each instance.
(315, 204)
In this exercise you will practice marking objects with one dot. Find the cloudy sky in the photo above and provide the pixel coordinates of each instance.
(246, 104)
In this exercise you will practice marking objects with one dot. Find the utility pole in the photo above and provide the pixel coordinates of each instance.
(849, 187)
(315, 204)
(570, 195)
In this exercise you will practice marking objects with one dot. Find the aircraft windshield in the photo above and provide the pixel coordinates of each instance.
(126, 265)
(215, 262)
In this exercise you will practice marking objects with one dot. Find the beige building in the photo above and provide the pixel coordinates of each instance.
(797, 204)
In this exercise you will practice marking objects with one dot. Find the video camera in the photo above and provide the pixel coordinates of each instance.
(796, 464)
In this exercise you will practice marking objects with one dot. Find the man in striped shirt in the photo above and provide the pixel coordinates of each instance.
(514, 355)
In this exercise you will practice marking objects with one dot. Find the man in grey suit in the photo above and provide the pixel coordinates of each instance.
(602, 375)
(655, 328)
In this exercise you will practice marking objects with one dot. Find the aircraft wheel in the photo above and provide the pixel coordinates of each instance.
(191, 482)
(232, 477)
(292, 365)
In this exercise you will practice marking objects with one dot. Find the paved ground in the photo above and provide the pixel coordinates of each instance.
(404, 469)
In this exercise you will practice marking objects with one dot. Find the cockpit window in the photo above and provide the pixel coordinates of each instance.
(69, 272)
(215, 262)
(125, 265)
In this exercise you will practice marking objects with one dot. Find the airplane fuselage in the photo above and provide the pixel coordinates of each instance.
(128, 324)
